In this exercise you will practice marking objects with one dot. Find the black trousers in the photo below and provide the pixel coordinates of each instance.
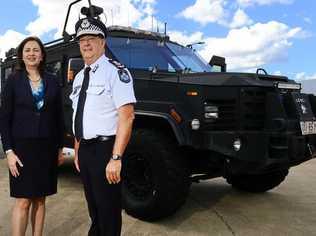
(104, 199)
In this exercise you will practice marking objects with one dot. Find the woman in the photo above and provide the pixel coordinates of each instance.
(31, 126)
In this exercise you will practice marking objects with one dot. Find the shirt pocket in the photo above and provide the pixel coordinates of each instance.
(98, 98)
(97, 91)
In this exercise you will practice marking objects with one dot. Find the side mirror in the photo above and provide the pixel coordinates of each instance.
(218, 62)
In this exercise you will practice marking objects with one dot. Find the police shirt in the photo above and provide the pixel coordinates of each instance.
(110, 87)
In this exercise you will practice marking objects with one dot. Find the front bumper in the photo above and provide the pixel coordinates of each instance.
(258, 149)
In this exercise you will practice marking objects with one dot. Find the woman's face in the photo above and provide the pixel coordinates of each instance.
(32, 54)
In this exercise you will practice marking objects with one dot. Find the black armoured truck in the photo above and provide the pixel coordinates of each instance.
(194, 121)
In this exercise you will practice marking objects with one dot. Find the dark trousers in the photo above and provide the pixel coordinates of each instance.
(104, 199)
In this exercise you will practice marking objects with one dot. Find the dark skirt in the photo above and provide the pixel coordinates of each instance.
(38, 176)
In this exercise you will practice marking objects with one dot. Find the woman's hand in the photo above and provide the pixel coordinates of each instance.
(61, 157)
(12, 164)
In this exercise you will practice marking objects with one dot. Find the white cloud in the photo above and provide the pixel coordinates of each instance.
(185, 38)
(151, 23)
(52, 13)
(277, 73)
(206, 11)
(51, 16)
(10, 39)
(304, 76)
(308, 20)
(254, 46)
(240, 19)
(246, 3)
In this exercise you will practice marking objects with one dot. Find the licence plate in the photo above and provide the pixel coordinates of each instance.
(308, 127)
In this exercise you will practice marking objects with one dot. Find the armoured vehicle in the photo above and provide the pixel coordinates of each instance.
(194, 121)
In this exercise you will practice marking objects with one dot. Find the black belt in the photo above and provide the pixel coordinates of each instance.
(97, 139)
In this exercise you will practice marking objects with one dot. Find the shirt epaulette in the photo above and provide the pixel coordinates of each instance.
(122, 72)
(117, 64)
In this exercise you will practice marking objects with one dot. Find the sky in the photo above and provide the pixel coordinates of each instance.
(277, 35)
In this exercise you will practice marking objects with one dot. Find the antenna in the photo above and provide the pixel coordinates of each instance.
(112, 16)
(128, 16)
(165, 28)
(91, 8)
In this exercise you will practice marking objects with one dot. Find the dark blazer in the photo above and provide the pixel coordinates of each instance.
(19, 117)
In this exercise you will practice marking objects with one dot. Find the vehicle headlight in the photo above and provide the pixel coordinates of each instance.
(210, 112)
(288, 86)
(237, 144)
(195, 124)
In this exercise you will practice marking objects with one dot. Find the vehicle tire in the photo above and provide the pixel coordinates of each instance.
(155, 180)
(258, 183)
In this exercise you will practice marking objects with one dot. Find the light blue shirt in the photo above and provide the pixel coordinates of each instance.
(108, 90)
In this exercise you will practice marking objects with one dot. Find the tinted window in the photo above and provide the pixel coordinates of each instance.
(143, 54)
(55, 69)
(7, 72)
(189, 58)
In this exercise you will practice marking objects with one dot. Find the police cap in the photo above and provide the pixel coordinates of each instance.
(90, 26)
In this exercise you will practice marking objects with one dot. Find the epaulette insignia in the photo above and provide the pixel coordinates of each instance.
(124, 76)
(117, 64)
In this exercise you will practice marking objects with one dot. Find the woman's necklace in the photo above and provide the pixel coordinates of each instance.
(35, 80)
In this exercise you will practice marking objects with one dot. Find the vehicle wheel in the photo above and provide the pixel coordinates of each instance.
(258, 183)
(156, 180)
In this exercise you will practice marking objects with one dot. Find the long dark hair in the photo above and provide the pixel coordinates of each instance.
(20, 63)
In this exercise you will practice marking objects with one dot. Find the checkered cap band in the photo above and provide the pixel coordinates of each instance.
(90, 26)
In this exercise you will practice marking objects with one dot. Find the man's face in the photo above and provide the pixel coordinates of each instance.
(91, 48)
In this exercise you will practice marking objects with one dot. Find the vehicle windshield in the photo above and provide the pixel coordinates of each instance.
(152, 54)
(190, 60)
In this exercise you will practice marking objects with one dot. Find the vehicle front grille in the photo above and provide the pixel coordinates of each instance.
(246, 112)
(278, 148)
(227, 113)
(252, 109)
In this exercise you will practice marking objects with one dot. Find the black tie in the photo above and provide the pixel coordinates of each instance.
(80, 105)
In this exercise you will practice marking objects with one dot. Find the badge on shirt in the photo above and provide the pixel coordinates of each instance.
(76, 89)
(124, 76)
(95, 68)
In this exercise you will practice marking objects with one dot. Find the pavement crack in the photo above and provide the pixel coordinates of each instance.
(230, 229)
(225, 222)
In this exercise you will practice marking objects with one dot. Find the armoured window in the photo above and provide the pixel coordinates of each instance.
(7, 72)
(143, 54)
(55, 69)
(191, 61)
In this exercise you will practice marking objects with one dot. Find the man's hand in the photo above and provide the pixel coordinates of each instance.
(12, 163)
(61, 157)
(113, 171)
(76, 162)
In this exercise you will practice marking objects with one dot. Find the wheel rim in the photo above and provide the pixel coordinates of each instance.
(138, 178)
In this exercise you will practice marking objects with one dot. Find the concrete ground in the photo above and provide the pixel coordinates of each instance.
(213, 208)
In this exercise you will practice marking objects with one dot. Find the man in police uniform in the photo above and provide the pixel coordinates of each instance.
(103, 99)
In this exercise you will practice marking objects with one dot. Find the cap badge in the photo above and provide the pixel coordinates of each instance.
(85, 24)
